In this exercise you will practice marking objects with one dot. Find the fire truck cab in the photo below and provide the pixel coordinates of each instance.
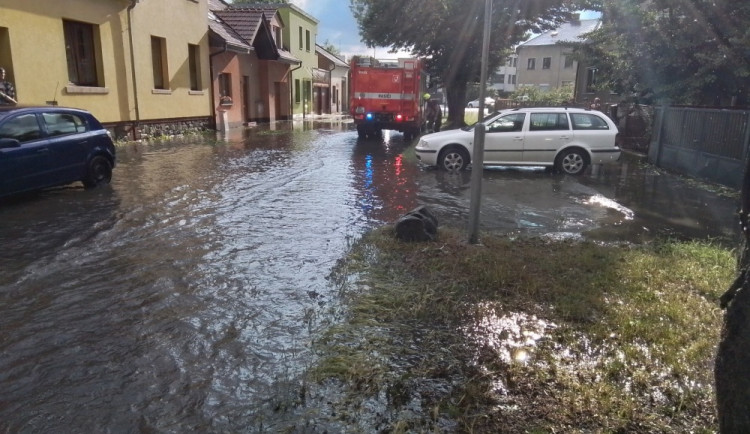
(387, 95)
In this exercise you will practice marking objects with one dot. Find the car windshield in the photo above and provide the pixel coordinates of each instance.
(486, 118)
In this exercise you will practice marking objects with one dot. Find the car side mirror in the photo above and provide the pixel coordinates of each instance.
(9, 143)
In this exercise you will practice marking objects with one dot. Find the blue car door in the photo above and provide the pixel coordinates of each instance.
(69, 143)
(24, 167)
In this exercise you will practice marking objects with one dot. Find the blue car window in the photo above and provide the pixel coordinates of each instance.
(59, 124)
(23, 128)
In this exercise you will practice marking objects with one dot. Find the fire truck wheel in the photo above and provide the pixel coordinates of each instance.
(453, 159)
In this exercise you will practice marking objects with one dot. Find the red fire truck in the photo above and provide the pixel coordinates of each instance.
(387, 95)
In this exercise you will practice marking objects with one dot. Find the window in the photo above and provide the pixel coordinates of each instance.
(300, 38)
(546, 62)
(585, 121)
(515, 61)
(512, 122)
(548, 122)
(335, 95)
(80, 51)
(590, 79)
(307, 40)
(501, 78)
(568, 61)
(277, 36)
(297, 91)
(159, 62)
(60, 124)
(194, 60)
(531, 64)
(512, 79)
(23, 128)
(225, 85)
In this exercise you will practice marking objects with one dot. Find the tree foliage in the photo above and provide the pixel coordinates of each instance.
(449, 34)
(676, 51)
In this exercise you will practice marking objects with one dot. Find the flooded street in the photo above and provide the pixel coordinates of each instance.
(185, 296)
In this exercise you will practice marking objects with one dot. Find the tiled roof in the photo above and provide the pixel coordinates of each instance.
(234, 41)
(244, 21)
(273, 7)
(568, 32)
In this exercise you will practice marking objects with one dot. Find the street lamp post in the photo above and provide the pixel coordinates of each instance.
(477, 163)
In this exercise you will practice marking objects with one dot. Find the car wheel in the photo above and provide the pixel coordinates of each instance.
(99, 172)
(571, 161)
(454, 159)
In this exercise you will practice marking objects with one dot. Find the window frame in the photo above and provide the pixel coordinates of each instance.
(159, 63)
(194, 67)
(531, 63)
(546, 62)
(82, 53)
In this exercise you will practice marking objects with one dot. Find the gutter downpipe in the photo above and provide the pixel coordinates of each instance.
(132, 70)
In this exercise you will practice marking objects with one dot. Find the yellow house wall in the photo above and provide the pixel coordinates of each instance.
(180, 23)
(33, 51)
(36, 60)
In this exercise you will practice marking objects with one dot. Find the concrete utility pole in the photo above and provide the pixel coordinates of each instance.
(477, 163)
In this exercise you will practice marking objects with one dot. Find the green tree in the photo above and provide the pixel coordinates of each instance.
(674, 51)
(449, 34)
(328, 46)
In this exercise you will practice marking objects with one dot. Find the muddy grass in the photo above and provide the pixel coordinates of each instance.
(523, 335)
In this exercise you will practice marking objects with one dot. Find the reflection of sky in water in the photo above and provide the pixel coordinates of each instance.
(512, 336)
(605, 202)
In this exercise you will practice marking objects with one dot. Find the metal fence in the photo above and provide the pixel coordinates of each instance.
(711, 144)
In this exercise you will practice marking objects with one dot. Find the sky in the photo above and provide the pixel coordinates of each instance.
(337, 25)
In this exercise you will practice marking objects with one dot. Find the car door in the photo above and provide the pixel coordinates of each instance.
(69, 144)
(504, 138)
(24, 167)
(547, 133)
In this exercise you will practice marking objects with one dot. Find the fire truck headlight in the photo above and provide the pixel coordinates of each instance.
(359, 110)
(399, 118)
(369, 116)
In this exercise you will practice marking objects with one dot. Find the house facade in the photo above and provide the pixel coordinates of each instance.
(250, 69)
(547, 62)
(337, 72)
(505, 77)
(297, 37)
(115, 58)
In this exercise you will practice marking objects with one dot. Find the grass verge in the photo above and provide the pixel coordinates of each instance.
(528, 335)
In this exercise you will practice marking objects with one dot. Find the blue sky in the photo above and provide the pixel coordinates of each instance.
(336, 24)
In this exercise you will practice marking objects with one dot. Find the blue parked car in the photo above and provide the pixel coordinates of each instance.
(49, 146)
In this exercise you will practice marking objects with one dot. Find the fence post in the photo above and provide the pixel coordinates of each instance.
(654, 148)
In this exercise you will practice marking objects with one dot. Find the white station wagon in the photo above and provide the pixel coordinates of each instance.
(568, 139)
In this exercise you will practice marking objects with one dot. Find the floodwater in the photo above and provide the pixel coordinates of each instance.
(185, 297)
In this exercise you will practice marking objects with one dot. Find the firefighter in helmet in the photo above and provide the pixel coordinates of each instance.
(433, 114)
